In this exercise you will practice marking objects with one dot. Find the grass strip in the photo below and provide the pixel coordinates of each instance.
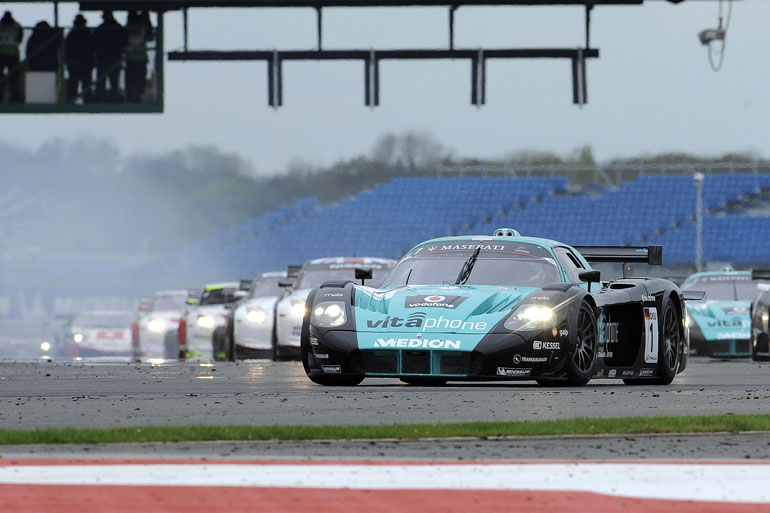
(579, 426)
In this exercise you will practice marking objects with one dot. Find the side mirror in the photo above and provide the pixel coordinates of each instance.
(363, 274)
(693, 295)
(590, 277)
(285, 284)
(192, 301)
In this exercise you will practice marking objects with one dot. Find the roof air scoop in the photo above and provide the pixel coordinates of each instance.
(506, 232)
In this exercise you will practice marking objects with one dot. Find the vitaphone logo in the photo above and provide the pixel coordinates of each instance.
(418, 343)
(423, 322)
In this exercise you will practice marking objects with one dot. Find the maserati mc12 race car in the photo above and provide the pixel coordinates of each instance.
(502, 307)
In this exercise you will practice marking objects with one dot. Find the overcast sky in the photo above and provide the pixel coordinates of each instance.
(651, 90)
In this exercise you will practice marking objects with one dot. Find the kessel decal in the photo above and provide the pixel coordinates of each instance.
(539, 344)
(435, 301)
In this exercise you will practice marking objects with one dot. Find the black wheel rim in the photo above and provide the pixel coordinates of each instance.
(585, 352)
(672, 338)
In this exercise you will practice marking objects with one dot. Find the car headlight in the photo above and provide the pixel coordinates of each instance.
(256, 316)
(206, 321)
(156, 325)
(329, 314)
(298, 309)
(529, 316)
(45, 346)
(78, 338)
(535, 313)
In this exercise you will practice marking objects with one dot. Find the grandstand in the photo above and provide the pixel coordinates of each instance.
(390, 218)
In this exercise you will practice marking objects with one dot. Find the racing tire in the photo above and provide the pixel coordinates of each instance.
(218, 345)
(424, 381)
(670, 339)
(321, 379)
(171, 345)
(580, 367)
(763, 341)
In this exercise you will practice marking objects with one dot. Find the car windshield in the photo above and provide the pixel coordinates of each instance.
(311, 278)
(104, 320)
(265, 287)
(499, 264)
(218, 297)
(724, 288)
(170, 301)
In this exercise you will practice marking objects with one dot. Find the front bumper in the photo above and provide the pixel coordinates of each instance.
(497, 356)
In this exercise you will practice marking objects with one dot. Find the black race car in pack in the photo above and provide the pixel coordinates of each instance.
(497, 308)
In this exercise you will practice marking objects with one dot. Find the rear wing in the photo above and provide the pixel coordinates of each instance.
(760, 274)
(652, 255)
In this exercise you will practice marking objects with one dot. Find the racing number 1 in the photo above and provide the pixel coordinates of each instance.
(651, 335)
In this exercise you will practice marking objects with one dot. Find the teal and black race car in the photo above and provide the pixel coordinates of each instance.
(720, 325)
(497, 308)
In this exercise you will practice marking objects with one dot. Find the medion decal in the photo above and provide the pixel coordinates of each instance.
(417, 343)
(420, 320)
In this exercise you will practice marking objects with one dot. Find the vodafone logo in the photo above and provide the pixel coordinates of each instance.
(448, 302)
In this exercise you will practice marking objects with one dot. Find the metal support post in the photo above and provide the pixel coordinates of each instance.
(274, 81)
(318, 21)
(589, 7)
(478, 79)
(371, 80)
(579, 82)
(698, 179)
(184, 26)
(452, 10)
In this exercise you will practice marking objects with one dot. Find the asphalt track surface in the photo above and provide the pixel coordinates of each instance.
(39, 395)
(615, 474)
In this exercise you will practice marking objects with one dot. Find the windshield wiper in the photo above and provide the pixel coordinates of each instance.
(465, 272)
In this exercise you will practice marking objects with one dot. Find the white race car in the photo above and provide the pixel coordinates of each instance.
(102, 333)
(290, 310)
(158, 328)
(209, 313)
(250, 326)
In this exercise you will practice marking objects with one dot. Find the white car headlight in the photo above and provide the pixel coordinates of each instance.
(529, 316)
(257, 316)
(206, 321)
(298, 309)
(156, 325)
(78, 338)
(45, 346)
(535, 314)
(329, 314)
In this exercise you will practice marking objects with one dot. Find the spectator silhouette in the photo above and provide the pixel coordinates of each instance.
(10, 38)
(110, 38)
(139, 32)
(80, 59)
(43, 48)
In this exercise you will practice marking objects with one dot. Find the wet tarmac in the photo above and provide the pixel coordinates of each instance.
(84, 394)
